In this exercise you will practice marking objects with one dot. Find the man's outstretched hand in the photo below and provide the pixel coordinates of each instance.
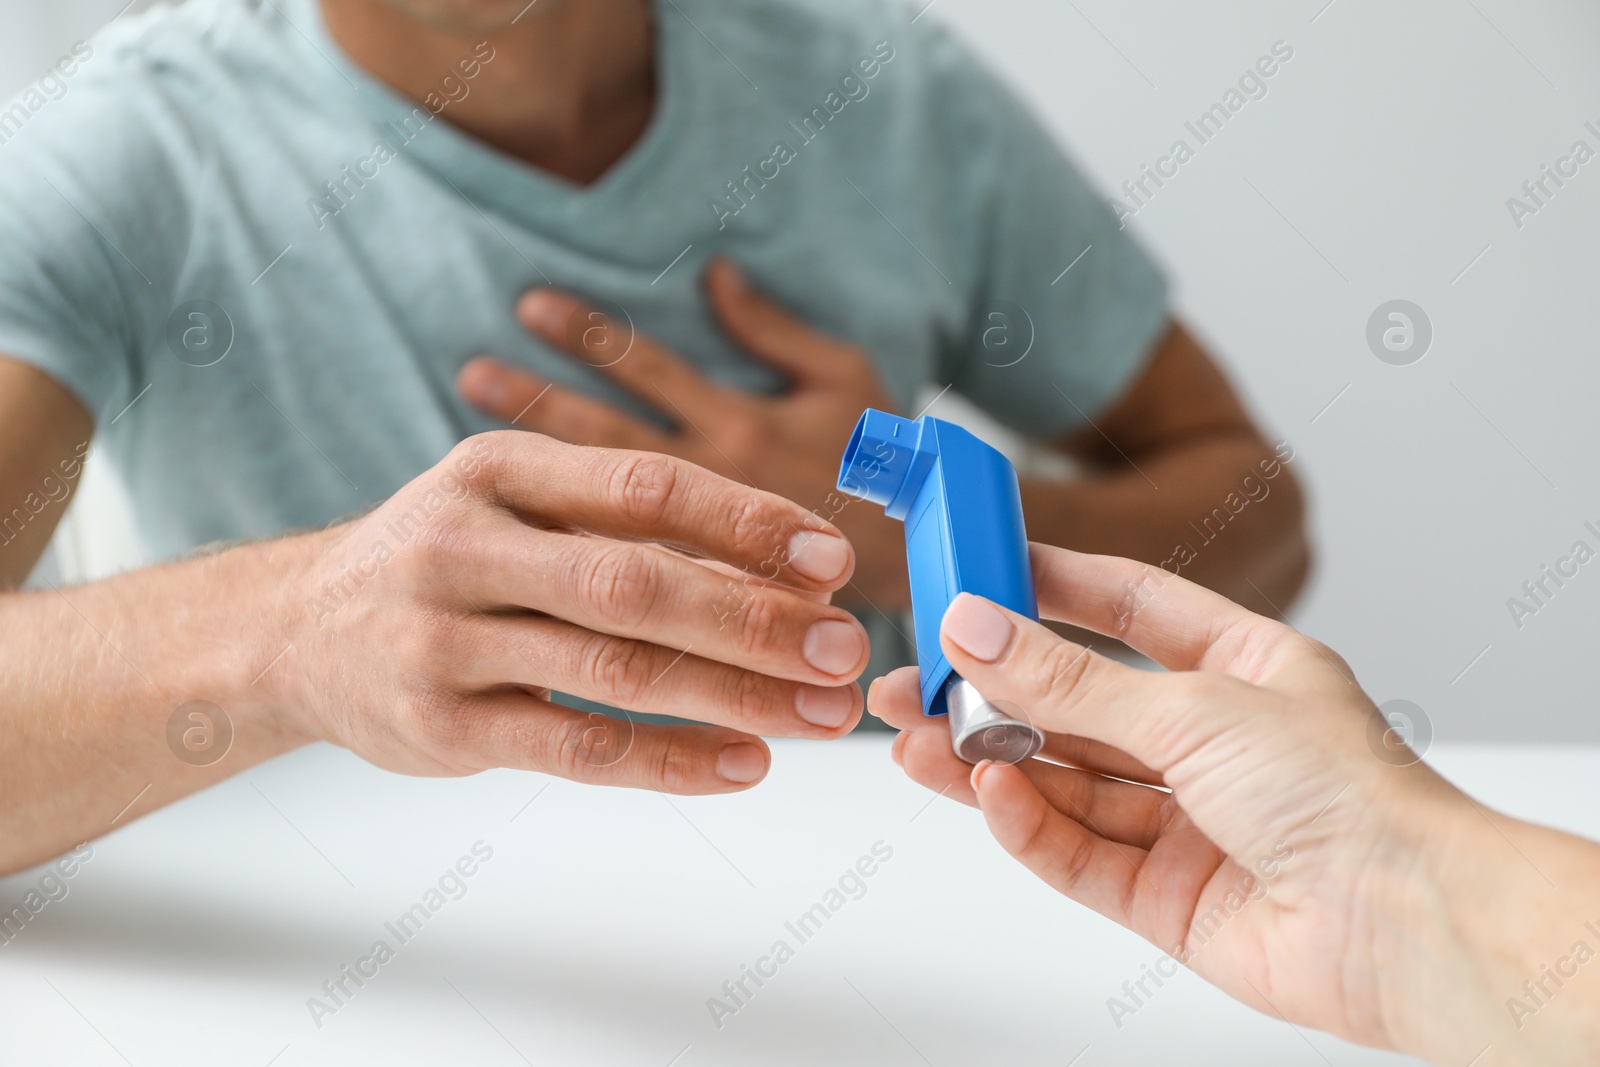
(522, 566)
(789, 444)
(430, 637)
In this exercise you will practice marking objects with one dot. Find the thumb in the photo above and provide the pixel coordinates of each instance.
(771, 333)
(1068, 689)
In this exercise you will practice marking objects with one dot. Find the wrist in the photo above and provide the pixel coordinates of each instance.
(274, 667)
(1492, 906)
(250, 653)
(1429, 989)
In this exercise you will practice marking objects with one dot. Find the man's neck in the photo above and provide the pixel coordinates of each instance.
(570, 88)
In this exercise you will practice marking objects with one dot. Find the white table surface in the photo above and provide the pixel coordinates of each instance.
(606, 918)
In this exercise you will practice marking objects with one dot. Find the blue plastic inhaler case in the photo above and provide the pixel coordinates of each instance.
(962, 510)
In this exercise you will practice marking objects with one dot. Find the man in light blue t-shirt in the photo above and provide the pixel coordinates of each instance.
(283, 260)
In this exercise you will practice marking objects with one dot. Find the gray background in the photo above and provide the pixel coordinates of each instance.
(1377, 168)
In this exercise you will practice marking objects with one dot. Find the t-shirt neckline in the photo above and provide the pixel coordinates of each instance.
(487, 174)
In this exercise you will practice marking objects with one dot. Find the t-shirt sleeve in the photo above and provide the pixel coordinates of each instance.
(1065, 306)
(92, 223)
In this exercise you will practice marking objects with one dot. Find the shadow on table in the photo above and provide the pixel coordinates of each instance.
(547, 987)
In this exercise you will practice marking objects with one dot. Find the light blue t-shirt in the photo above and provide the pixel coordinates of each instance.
(280, 264)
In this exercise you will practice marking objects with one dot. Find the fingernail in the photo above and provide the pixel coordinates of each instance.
(827, 708)
(896, 749)
(833, 647)
(977, 627)
(741, 763)
(820, 556)
(542, 310)
(978, 773)
(488, 388)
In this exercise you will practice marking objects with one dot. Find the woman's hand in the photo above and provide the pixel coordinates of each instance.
(1236, 812)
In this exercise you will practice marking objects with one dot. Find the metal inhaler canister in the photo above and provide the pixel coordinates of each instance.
(962, 510)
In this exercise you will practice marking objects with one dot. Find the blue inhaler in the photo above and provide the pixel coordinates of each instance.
(962, 510)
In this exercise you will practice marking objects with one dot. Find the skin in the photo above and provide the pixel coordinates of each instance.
(516, 566)
(572, 90)
(572, 86)
(1394, 913)
(42, 430)
(1171, 450)
(1237, 814)
(533, 574)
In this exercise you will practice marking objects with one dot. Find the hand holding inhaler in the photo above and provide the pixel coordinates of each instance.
(962, 510)
(1250, 815)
